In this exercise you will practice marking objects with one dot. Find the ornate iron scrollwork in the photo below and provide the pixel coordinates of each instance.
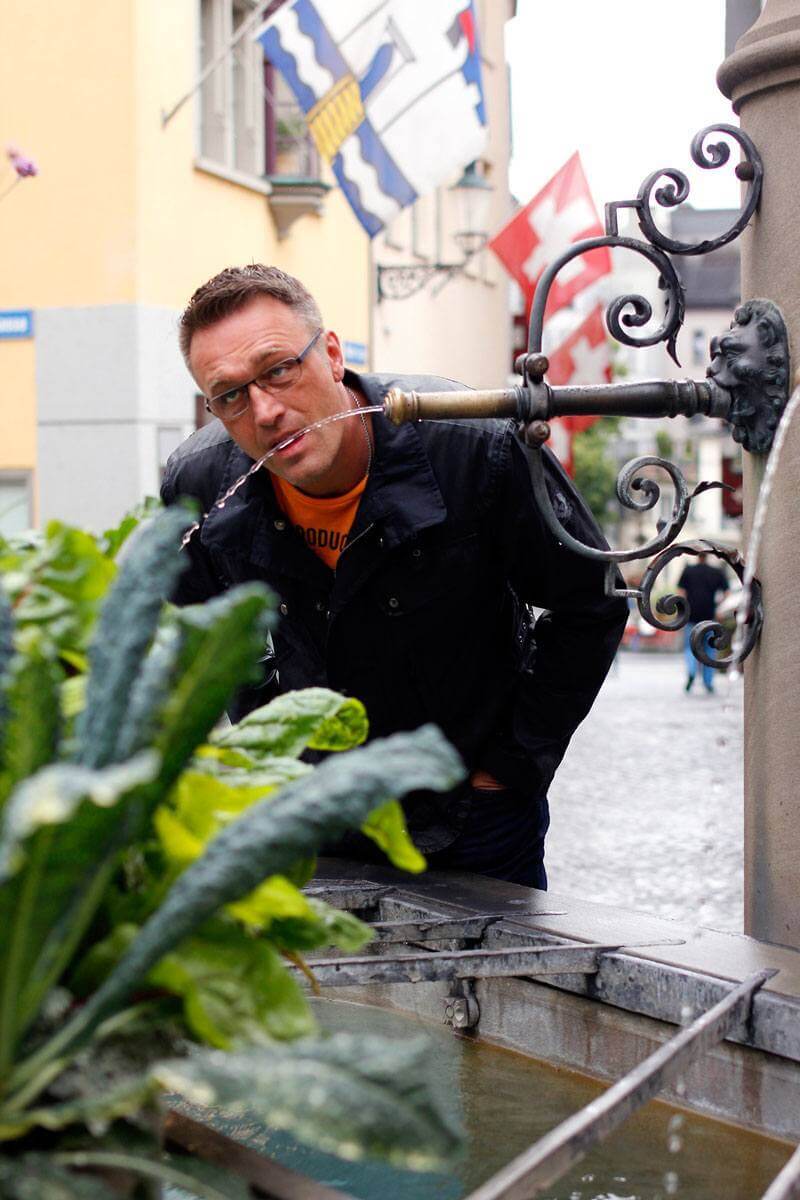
(750, 362)
(747, 385)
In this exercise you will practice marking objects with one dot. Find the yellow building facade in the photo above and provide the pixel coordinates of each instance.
(127, 216)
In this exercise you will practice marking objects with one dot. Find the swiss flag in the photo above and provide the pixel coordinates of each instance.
(560, 214)
(581, 358)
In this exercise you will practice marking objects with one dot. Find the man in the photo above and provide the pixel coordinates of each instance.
(703, 586)
(405, 559)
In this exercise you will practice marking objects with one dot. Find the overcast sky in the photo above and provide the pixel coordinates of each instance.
(627, 83)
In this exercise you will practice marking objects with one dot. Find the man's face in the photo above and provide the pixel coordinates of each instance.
(328, 461)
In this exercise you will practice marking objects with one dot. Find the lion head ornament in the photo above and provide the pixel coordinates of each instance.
(751, 361)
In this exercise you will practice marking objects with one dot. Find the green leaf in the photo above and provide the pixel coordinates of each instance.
(267, 840)
(73, 697)
(124, 631)
(112, 540)
(202, 1180)
(6, 651)
(263, 777)
(235, 989)
(324, 926)
(311, 718)
(31, 730)
(191, 677)
(56, 832)
(56, 582)
(38, 1177)
(201, 806)
(354, 1096)
(96, 1112)
(386, 826)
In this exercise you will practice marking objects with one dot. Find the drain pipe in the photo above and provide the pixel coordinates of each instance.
(762, 79)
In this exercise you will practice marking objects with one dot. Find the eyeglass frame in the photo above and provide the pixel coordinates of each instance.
(293, 360)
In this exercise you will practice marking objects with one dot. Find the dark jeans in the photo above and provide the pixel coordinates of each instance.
(503, 838)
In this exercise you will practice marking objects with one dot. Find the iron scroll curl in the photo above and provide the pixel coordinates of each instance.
(667, 188)
(671, 612)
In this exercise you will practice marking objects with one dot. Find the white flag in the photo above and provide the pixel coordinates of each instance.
(391, 93)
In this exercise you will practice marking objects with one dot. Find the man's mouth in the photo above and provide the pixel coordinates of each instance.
(290, 442)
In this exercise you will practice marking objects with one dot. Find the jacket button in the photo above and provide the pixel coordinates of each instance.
(394, 602)
(416, 552)
(283, 608)
(380, 542)
(279, 524)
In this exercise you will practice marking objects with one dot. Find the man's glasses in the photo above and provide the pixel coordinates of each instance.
(277, 378)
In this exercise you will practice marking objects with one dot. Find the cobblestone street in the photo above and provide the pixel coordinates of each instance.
(647, 806)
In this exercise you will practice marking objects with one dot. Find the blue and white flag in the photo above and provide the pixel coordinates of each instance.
(391, 93)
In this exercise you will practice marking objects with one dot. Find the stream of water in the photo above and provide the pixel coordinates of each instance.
(757, 531)
(259, 463)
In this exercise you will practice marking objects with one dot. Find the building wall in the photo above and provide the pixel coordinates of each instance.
(461, 328)
(110, 240)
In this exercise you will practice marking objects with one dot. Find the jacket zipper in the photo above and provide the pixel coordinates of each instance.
(351, 544)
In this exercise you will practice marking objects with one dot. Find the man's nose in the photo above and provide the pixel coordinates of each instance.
(267, 408)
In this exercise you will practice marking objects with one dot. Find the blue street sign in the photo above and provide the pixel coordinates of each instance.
(355, 353)
(16, 323)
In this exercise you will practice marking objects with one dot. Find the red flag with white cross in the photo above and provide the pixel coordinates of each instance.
(561, 213)
(582, 358)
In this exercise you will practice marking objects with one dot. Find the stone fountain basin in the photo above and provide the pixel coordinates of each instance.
(601, 1025)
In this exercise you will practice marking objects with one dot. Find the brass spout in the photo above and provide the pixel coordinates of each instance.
(438, 406)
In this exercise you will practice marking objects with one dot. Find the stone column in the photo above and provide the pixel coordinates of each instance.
(762, 78)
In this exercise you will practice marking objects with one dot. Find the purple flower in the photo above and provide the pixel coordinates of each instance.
(23, 165)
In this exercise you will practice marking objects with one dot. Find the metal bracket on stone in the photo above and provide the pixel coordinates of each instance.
(746, 384)
(461, 1009)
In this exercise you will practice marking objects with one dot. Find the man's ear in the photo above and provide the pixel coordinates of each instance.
(335, 355)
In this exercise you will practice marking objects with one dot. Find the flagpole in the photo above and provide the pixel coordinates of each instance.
(255, 17)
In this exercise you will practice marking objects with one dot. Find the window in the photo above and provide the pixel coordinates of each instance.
(15, 502)
(232, 97)
(250, 122)
(290, 150)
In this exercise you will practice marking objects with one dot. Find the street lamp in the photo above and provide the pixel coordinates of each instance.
(473, 197)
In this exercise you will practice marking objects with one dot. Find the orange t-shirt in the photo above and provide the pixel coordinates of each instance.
(323, 521)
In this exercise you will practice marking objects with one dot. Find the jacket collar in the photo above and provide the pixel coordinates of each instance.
(402, 493)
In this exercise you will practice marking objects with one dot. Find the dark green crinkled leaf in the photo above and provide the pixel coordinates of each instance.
(266, 840)
(30, 733)
(124, 631)
(190, 678)
(311, 718)
(354, 1096)
(55, 833)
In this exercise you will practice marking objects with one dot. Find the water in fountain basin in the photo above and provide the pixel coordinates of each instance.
(507, 1101)
(259, 463)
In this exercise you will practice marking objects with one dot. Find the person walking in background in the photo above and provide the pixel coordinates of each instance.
(703, 586)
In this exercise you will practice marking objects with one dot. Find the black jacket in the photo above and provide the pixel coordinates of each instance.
(426, 616)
